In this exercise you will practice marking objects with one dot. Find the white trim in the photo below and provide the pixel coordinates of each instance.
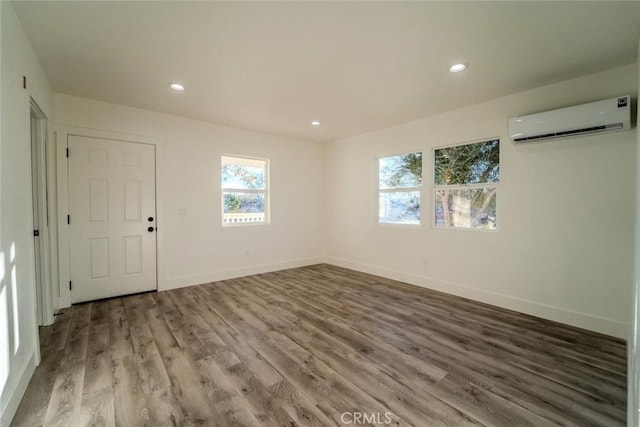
(245, 224)
(466, 186)
(184, 281)
(400, 190)
(62, 134)
(243, 190)
(574, 318)
(400, 224)
(13, 401)
(46, 244)
(474, 141)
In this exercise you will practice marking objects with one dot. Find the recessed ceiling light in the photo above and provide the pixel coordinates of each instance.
(456, 68)
(315, 123)
(176, 87)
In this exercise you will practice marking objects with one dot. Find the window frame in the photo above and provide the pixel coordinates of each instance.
(379, 190)
(491, 185)
(266, 191)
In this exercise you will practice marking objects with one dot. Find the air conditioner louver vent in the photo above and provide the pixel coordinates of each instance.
(583, 131)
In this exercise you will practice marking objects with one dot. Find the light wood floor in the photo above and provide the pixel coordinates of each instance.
(305, 346)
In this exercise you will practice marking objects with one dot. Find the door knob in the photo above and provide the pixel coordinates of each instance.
(150, 229)
(150, 219)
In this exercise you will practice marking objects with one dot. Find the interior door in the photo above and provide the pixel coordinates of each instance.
(112, 209)
(35, 191)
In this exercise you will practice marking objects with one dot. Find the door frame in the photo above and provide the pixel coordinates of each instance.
(62, 178)
(41, 192)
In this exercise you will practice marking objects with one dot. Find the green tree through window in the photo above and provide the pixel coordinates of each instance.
(466, 181)
(399, 188)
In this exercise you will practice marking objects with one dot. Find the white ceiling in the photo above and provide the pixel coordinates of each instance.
(355, 66)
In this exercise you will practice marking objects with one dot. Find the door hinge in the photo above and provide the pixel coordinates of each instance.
(70, 285)
(24, 82)
(36, 233)
(68, 219)
(67, 153)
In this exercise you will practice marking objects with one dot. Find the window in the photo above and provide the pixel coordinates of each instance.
(465, 188)
(399, 184)
(245, 194)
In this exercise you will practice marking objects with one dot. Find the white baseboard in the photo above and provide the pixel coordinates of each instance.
(602, 325)
(184, 281)
(9, 410)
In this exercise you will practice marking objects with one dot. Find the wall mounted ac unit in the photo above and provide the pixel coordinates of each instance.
(595, 117)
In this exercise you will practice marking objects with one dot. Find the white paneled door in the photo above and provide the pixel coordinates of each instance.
(112, 209)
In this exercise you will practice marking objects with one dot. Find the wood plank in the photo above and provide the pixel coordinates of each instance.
(306, 346)
(97, 393)
(182, 372)
(235, 410)
(33, 408)
(66, 396)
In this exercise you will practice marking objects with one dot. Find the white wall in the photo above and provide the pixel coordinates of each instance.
(633, 394)
(18, 327)
(564, 247)
(197, 249)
